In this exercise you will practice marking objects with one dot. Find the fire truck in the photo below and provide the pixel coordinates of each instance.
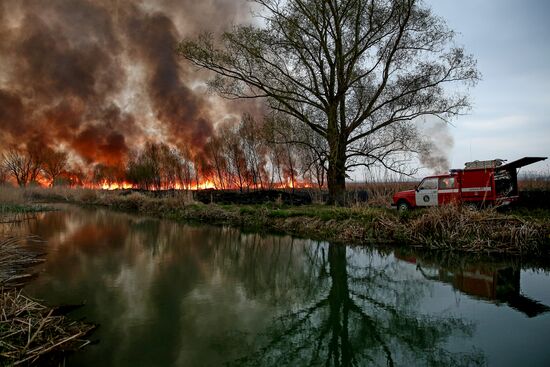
(479, 184)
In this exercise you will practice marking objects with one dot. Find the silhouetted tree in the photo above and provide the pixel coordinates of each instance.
(356, 72)
(3, 174)
(54, 164)
(19, 165)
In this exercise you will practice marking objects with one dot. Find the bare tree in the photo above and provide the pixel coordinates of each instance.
(356, 72)
(187, 169)
(234, 156)
(216, 162)
(3, 174)
(309, 150)
(54, 164)
(37, 153)
(254, 150)
(19, 165)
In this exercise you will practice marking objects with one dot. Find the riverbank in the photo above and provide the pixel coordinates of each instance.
(30, 331)
(448, 228)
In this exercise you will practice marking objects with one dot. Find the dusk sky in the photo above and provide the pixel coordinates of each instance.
(510, 117)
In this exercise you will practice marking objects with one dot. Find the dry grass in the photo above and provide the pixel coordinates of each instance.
(11, 195)
(457, 228)
(437, 228)
(381, 192)
(534, 184)
(16, 257)
(30, 331)
(63, 194)
(117, 198)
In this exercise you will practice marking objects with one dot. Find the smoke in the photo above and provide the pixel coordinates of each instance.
(98, 77)
(437, 146)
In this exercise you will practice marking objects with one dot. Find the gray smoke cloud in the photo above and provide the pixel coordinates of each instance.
(438, 144)
(98, 77)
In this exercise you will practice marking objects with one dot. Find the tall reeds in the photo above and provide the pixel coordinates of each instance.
(484, 231)
(16, 259)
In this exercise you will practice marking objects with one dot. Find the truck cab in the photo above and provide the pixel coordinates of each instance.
(432, 191)
(480, 183)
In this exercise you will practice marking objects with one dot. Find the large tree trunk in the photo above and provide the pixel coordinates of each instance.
(336, 175)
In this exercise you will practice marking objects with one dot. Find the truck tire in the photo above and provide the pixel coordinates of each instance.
(403, 206)
(470, 206)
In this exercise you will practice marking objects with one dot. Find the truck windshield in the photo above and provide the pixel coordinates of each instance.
(428, 184)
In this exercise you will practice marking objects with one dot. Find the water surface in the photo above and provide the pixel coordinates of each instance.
(171, 294)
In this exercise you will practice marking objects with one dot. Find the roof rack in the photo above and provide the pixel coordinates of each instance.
(494, 163)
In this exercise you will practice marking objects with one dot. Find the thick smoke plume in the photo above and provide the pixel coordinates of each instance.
(99, 77)
(438, 145)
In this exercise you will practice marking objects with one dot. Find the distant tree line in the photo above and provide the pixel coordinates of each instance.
(247, 156)
(36, 163)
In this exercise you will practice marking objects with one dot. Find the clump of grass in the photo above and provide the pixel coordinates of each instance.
(30, 330)
(15, 259)
(381, 191)
(456, 228)
(11, 195)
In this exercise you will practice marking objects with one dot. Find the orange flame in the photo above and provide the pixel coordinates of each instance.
(115, 186)
(204, 185)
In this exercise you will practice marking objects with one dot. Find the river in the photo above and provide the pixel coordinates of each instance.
(172, 294)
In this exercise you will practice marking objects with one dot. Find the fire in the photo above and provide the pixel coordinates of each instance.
(105, 185)
(201, 186)
(115, 186)
(204, 185)
(293, 184)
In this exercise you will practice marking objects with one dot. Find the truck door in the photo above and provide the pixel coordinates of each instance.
(426, 193)
(447, 192)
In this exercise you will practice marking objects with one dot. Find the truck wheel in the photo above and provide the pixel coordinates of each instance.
(472, 207)
(402, 206)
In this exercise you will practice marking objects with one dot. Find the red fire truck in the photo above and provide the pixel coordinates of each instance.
(479, 184)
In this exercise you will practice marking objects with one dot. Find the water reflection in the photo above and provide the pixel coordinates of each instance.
(364, 313)
(167, 294)
(498, 282)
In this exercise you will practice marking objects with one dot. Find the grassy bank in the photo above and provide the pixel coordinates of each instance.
(449, 228)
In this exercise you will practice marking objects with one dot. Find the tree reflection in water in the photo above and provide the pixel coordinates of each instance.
(168, 294)
(366, 315)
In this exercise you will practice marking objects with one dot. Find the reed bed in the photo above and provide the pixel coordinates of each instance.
(484, 231)
(16, 257)
(381, 192)
(30, 331)
(448, 228)
(11, 195)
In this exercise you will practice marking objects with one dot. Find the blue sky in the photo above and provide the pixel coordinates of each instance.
(510, 117)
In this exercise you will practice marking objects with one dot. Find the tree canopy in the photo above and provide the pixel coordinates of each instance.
(358, 73)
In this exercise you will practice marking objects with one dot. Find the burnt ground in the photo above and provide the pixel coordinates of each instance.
(286, 197)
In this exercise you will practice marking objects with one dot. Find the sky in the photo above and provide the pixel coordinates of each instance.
(119, 81)
(510, 117)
